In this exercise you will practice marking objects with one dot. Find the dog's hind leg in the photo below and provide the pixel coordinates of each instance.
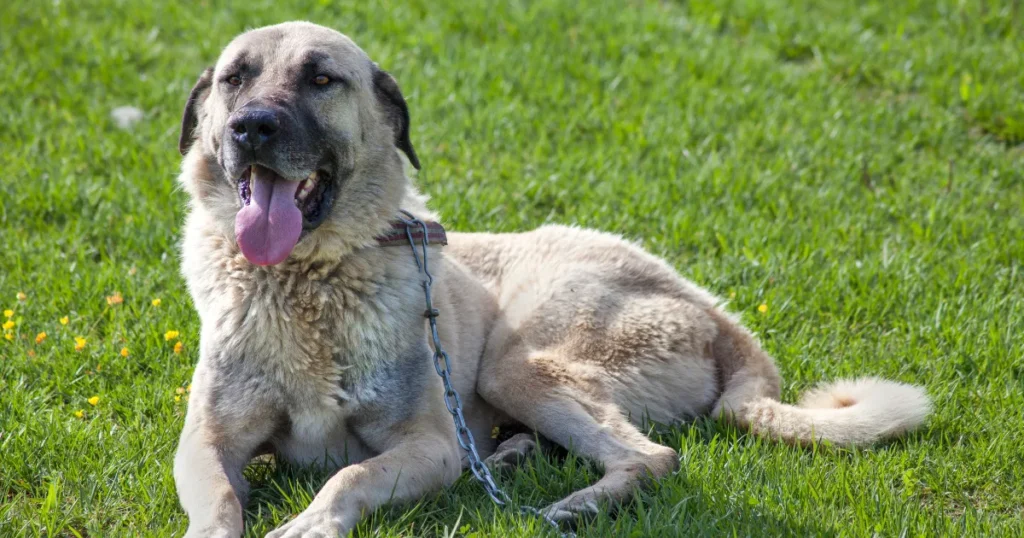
(580, 415)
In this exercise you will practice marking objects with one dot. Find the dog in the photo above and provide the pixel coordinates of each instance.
(315, 345)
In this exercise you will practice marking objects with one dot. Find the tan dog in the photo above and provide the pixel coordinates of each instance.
(314, 346)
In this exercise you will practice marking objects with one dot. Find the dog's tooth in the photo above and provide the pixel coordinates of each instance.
(305, 188)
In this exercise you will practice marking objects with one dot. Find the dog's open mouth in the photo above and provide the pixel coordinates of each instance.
(275, 211)
(312, 196)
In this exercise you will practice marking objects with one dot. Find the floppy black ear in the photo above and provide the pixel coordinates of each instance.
(189, 120)
(397, 113)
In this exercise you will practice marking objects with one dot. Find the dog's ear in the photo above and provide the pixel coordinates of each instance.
(395, 110)
(190, 119)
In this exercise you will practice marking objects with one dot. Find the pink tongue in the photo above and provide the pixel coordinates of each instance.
(268, 228)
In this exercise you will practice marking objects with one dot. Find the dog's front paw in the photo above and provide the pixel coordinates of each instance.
(195, 531)
(311, 524)
(571, 511)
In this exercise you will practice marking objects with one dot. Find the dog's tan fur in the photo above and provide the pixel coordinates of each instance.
(324, 358)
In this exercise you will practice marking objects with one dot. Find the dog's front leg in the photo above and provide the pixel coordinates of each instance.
(420, 460)
(212, 453)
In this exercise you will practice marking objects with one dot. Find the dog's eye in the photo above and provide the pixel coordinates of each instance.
(235, 80)
(321, 80)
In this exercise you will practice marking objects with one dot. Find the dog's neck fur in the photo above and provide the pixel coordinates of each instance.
(354, 277)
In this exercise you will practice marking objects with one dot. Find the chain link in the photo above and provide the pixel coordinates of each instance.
(451, 397)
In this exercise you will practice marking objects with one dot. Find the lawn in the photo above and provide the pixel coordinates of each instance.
(847, 176)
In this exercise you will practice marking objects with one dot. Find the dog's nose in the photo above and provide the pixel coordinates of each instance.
(254, 127)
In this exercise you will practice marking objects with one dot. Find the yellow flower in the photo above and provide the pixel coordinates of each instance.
(124, 352)
(9, 324)
(79, 343)
(79, 413)
(156, 302)
(170, 335)
(188, 388)
(732, 294)
(177, 399)
(64, 320)
(8, 313)
(763, 308)
(178, 347)
(21, 296)
(9, 336)
(179, 390)
(95, 400)
(40, 337)
(115, 299)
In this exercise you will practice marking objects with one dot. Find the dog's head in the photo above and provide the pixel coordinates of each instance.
(291, 141)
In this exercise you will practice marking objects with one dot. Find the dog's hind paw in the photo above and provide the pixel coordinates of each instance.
(512, 452)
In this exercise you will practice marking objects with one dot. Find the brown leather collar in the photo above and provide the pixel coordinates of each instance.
(397, 235)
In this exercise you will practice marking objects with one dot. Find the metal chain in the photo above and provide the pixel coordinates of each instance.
(451, 397)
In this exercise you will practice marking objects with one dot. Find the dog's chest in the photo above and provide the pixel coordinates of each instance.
(320, 434)
(322, 345)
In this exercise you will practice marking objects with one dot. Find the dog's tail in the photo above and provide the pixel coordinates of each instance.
(847, 412)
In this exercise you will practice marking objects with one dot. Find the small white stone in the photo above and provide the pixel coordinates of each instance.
(126, 116)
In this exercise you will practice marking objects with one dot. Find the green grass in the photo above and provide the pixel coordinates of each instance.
(855, 166)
